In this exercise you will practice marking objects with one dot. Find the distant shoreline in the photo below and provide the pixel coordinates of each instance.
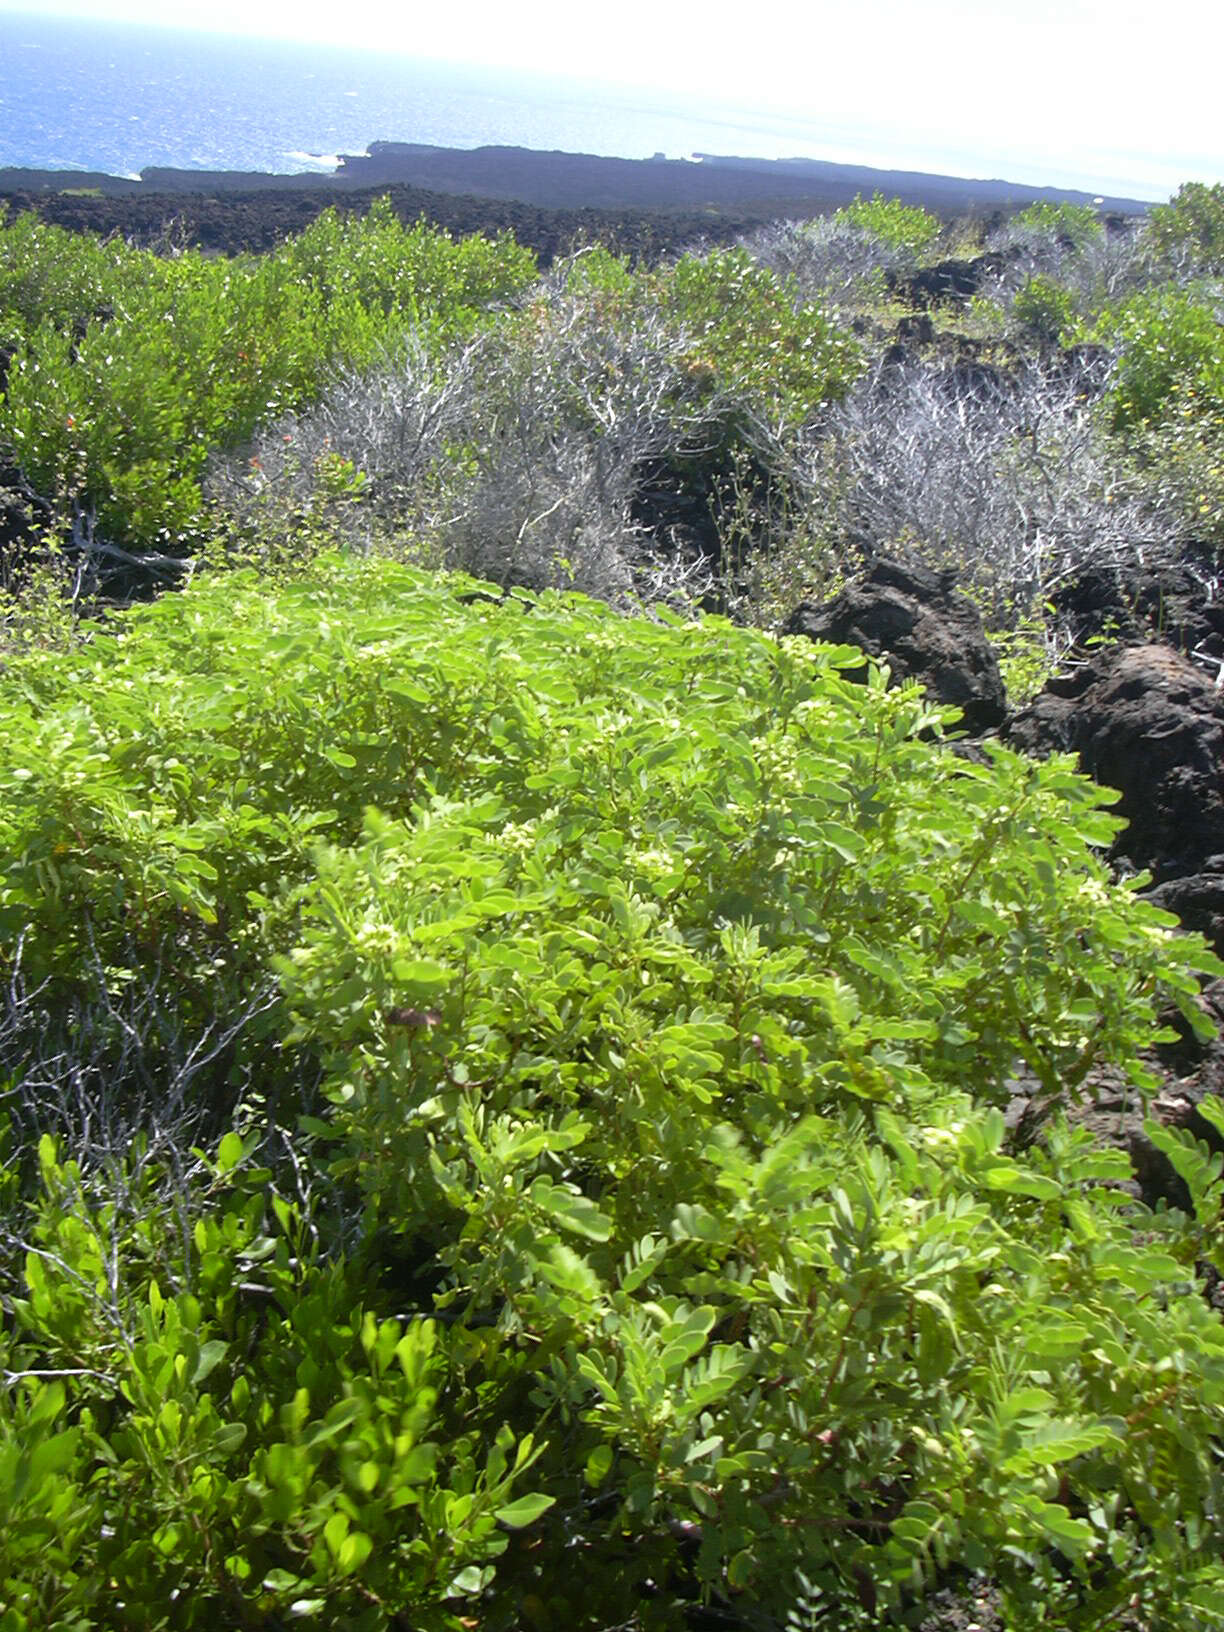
(577, 181)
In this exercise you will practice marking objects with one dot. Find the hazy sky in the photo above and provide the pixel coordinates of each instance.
(1101, 88)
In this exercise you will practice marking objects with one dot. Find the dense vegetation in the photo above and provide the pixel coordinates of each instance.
(130, 368)
(502, 1099)
(733, 416)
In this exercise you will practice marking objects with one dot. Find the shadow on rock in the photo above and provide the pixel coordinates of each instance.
(1147, 721)
(923, 628)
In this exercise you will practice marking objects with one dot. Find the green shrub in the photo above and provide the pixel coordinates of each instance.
(1170, 357)
(48, 274)
(1028, 656)
(1183, 454)
(597, 270)
(1078, 224)
(262, 1446)
(752, 334)
(1191, 224)
(417, 274)
(1045, 310)
(666, 989)
(132, 370)
(902, 226)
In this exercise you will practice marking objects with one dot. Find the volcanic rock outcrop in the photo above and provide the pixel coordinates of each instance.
(917, 622)
(1147, 721)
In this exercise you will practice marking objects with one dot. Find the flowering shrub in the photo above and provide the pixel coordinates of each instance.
(616, 1167)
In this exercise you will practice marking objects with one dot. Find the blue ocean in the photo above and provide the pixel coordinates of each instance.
(117, 97)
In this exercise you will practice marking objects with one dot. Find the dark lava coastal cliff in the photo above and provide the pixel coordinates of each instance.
(549, 200)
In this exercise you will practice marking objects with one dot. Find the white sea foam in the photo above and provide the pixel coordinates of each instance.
(124, 96)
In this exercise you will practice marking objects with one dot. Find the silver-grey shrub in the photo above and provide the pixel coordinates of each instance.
(830, 259)
(391, 424)
(1007, 478)
(1096, 270)
(516, 458)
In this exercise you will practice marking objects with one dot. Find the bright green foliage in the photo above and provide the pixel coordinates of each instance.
(1199, 1168)
(50, 275)
(417, 273)
(1184, 452)
(1078, 224)
(131, 369)
(1192, 222)
(1167, 402)
(597, 270)
(1045, 310)
(665, 987)
(1026, 657)
(1171, 357)
(903, 226)
(753, 333)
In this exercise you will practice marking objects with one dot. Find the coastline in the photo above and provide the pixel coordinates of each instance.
(555, 180)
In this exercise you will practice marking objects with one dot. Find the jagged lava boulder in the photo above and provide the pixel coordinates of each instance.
(914, 620)
(948, 282)
(1175, 603)
(1144, 720)
(1198, 900)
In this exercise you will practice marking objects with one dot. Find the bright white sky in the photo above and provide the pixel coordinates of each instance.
(1105, 89)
